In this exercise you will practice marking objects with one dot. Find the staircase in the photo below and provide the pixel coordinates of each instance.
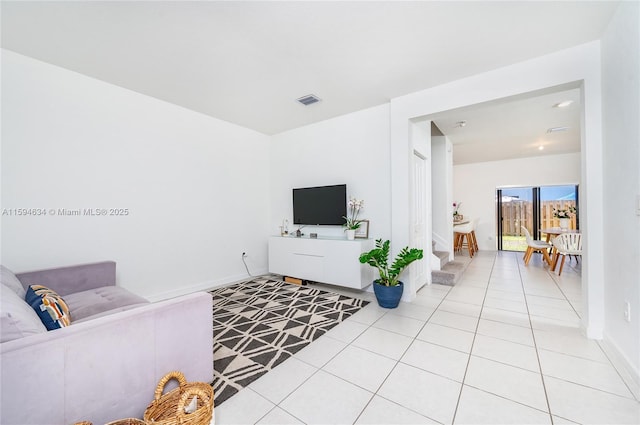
(450, 271)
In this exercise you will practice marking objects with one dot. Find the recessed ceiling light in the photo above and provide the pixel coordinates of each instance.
(557, 129)
(540, 148)
(563, 104)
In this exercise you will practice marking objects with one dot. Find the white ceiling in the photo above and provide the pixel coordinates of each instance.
(514, 127)
(246, 62)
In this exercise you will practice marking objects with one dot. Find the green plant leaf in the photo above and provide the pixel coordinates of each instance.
(379, 258)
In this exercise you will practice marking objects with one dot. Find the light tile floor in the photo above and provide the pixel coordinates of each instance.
(501, 347)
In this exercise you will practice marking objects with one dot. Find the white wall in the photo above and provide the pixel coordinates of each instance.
(351, 149)
(475, 186)
(195, 187)
(442, 176)
(621, 155)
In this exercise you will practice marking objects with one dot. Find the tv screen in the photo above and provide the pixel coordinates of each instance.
(320, 205)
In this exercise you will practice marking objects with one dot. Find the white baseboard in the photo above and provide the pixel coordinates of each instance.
(625, 368)
(202, 286)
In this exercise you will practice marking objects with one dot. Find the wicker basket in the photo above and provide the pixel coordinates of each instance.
(127, 421)
(168, 409)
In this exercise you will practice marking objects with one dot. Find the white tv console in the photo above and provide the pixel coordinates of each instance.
(328, 260)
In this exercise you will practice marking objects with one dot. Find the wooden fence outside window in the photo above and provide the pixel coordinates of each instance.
(520, 213)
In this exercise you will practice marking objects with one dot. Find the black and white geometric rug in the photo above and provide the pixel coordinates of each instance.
(260, 323)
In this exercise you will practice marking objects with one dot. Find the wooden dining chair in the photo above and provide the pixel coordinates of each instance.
(535, 246)
(565, 244)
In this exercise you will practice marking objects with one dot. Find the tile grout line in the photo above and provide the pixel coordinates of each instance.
(535, 345)
(318, 369)
(555, 281)
(276, 405)
(473, 341)
(321, 368)
(624, 381)
(507, 398)
(539, 349)
(400, 357)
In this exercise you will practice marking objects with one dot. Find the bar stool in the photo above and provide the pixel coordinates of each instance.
(466, 232)
(473, 235)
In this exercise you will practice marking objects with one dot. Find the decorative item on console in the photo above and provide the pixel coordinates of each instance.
(352, 222)
(362, 232)
(284, 229)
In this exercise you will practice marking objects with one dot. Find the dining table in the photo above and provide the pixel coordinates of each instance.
(555, 231)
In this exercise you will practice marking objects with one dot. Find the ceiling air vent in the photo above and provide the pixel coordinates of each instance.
(309, 99)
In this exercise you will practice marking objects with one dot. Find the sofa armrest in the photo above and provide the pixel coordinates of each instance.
(108, 368)
(71, 279)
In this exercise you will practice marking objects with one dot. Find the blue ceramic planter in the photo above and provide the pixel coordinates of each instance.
(388, 296)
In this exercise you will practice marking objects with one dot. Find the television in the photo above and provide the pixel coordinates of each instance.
(320, 205)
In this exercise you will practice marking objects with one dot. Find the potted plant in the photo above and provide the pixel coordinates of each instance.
(352, 224)
(564, 215)
(388, 288)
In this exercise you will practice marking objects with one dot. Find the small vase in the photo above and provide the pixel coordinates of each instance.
(351, 234)
(564, 223)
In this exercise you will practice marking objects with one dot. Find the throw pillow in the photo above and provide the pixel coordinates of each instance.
(17, 319)
(50, 307)
(11, 281)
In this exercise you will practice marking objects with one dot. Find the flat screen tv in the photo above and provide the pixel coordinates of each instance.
(320, 205)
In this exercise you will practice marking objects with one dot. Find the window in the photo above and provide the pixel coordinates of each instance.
(531, 207)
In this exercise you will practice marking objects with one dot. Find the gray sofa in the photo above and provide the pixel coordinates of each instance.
(107, 363)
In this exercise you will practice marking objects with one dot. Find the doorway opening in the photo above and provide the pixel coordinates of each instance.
(534, 207)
